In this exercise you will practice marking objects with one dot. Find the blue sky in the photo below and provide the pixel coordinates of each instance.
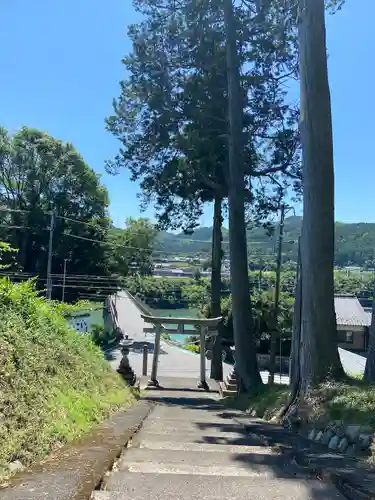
(60, 68)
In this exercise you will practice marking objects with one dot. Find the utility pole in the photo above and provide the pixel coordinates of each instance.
(49, 263)
(64, 277)
(294, 369)
(277, 298)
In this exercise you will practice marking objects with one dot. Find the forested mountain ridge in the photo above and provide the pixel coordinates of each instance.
(355, 243)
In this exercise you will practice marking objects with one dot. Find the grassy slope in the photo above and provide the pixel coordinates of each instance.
(54, 383)
(352, 401)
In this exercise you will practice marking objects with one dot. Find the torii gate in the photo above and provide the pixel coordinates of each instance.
(206, 327)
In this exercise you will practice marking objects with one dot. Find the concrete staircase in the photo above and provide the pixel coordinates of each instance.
(191, 448)
(229, 388)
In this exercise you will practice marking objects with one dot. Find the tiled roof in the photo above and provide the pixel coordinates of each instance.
(349, 312)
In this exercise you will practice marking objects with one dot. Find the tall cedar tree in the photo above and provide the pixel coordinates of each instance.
(319, 356)
(172, 115)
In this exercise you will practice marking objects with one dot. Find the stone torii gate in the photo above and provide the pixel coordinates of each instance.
(205, 327)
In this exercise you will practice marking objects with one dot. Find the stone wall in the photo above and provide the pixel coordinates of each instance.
(351, 439)
(354, 440)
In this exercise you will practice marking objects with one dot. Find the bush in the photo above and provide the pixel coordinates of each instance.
(193, 348)
(101, 337)
(54, 383)
(66, 309)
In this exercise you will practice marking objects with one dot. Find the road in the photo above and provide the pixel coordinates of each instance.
(353, 364)
(173, 361)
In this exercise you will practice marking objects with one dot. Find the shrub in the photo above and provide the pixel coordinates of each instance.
(193, 348)
(101, 337)
(54, 382)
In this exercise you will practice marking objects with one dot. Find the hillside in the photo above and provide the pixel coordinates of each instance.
(54, 382)
(355, 243)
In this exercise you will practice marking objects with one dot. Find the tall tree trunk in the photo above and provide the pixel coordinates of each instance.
(370, 362)
(243, 327)
(216, 364)
(319, 353)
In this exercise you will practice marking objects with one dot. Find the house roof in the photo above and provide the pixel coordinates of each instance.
(349, 312)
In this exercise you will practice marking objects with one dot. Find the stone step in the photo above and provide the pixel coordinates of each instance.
(177, 412)
(253, 454)
(229, 438)
(168, 446)
(138, 486)
(200, 470)
(172, 427)
(225, 392)
(231, 386)
(196, 419)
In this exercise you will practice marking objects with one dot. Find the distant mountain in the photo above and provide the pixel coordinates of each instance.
(355, 243)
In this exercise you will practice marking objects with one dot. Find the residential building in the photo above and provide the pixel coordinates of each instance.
(353, 323)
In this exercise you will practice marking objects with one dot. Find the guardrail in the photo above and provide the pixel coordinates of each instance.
(114, 316)
(139, 303)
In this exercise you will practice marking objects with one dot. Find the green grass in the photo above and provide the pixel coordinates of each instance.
(54, 383)
(352, 401)
(266, 403)
(81, 306)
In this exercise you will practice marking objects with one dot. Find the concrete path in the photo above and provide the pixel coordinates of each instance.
(190, 447)
(173, 361)
(353, 363)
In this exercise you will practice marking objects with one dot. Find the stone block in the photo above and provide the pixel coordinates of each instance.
(318, 436)
(343, 445)
(351, 450)
(327, 435)
(312, 434)
(339, 430)
(364, 441)
(334, 442)
(15, 466)
(352, 432)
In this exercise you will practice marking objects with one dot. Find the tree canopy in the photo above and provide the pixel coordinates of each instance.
(40, 175)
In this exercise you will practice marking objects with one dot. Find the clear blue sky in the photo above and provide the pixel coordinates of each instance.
(60, 68)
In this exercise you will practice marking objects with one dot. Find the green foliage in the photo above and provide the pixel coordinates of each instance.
(159, 293)
(193, 348)
(197, 274)
(171, 115)
(65, 309)
(101, 337)
(38, 173)
(355, 243)
(6, 251)
(350, 401)
(197, 295)
(131, 248)
(262, 307)
(54, 382)
(267, 403)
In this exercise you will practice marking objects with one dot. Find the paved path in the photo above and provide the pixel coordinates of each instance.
(353, 364)
(173, 361)
(190, 447)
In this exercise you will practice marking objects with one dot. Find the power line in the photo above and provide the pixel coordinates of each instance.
(6, 209)
(115, 245)
(91, 224)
